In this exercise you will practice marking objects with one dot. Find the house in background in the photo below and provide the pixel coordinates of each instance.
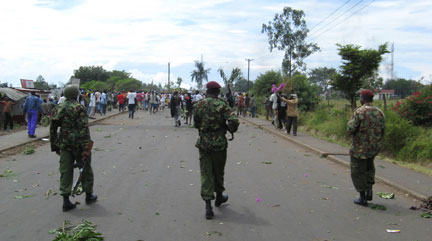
(387, 93)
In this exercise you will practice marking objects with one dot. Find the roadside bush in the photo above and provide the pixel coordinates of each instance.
(418, 150)
(417, 107)
(398, 133)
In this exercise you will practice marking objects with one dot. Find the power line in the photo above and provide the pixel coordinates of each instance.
(329, 15)
(345, 19)
(332, 21)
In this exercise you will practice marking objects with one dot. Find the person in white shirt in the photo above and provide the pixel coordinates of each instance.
(131, 103)
(273, 99)
(61, 100)
(197, 97)
(92, 105)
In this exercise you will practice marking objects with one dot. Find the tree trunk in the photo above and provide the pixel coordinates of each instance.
(353, 103)
(385, 102)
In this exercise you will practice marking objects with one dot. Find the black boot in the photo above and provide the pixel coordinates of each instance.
(361, 200)
(220, 198)
(90, 198)
(67, 205)
(369, 193)
(209, 210)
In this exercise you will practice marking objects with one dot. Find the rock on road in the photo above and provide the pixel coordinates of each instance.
(148, 182)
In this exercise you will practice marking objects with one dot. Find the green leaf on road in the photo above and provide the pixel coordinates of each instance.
(23, 196)
(326, 186)
(28, 150)
(266, 162)
(99, 129)
(108, 136)
(52, 231)
(8, 171)
(386, 195)
(382, 166)
(377, 206)
(426, 215)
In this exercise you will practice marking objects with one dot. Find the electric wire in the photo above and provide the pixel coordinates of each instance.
(330, 15)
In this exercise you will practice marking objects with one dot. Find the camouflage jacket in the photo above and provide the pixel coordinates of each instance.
(210, 118)
(72, 119)
(367, 129)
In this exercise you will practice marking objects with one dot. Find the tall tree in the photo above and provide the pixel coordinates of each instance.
(179, 81)
(89, 73)
(200, 73)
(288, 32)
(263, 83)
(357, 67)
(321, 77)
(403, 87)
(40, 83)
(236, 74)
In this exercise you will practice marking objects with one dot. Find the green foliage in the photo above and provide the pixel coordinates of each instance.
(128, 84)
(235, 77)
(89, 73)
(419, 149)
(86, 230)
(45, 121)
(307, 94)
(179, 82)
(321, 77)
(94, 85)
(358, 66)
(200, 73)
(288, 32)
(403, 87)
(41, 84)
(28, 150)
(263, 83)
(242, 85)
(418, 107)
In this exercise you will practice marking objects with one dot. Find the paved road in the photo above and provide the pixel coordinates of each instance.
(147, 179)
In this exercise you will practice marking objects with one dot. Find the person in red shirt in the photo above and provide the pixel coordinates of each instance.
(7, 109)
(121, 98)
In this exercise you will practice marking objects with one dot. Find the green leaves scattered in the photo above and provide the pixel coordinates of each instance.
(426, 215)
(28, 150)
(377, 206)
(23, 196)
(386, 195)
(99, 129)
(7, 173)
(108, 136)
(266, 162)
(327, 186)
(85, 230)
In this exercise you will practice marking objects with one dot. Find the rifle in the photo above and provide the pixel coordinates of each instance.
(230, 100)
(81, 169)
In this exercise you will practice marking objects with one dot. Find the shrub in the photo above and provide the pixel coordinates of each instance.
(398, 132)
(417, 107)
(418, 150)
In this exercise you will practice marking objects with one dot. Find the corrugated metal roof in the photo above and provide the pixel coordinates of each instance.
(12, 93)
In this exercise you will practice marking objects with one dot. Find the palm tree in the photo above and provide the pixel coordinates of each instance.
(200, 73)
(236, 75)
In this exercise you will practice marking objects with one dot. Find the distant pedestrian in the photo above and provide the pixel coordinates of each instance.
(7, 110)
(366, 127)
(32, 106)
(240, 104)
(61, 99)
(282, 111)
(274, 99)
(246, 105)
(92, 105)
(131, 103)
(121, 102)
(252, 105)
(176, 108)
(212, 118)
(291, 113)
(103, 103)
(189, 109)
(268, 107)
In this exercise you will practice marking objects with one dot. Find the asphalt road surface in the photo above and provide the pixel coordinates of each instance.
(148, 182)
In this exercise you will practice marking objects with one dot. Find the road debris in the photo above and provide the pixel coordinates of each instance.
(426, 207)
(386, 195)
(51, 192)
(327, 186)
(258, 200)
(393, 231)
(23, 196)
(85, 230)
(266, 162)
(374, 206)
(214, 232)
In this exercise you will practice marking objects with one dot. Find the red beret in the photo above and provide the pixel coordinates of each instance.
(213, 85)
(366, 92)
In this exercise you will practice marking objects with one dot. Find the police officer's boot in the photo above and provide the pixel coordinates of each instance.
(67, 205)
(361, 200)
(369, 192)
(209, 210)
(90, 198)
(220, 198)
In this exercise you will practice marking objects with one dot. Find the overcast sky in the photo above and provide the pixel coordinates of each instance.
(54, 37)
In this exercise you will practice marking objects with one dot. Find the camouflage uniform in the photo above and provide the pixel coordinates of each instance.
(73, 139)
(367, 129)
(210, 116)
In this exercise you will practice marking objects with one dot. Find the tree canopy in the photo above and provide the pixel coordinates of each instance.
(263, 83)
(403, 87)
(357, 66)
(89, 73)
(41, 84)
(200, 73)
(321, 77)
(288, 32)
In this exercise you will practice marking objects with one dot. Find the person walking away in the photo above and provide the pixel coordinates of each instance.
(139, 97)
(103, 103)
(291, 113)
(131, 103)
(247, 105)
(212, 118)
(153, 103)
(98, 99)
(189, 109)
(273, 100)
(121, 101)
(92, 105)
(240, 104)
(72, 144)
(176, 103)
(282, 110)
(252, 105)
(7, 110)
(32, 106)
(366, 126)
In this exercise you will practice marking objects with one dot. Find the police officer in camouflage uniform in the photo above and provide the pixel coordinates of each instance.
(367, 127)
(213, 117)
(72, 144)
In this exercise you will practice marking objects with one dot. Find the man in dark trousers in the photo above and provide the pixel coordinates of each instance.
(213, 117)
(366, 127)
(72, 144)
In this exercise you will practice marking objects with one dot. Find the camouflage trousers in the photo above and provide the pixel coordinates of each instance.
(212, 165)
(67, 159)
(362, 173)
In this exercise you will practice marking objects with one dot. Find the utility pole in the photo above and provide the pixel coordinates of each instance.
(248, 60)
(392, 61)
(169, 84)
